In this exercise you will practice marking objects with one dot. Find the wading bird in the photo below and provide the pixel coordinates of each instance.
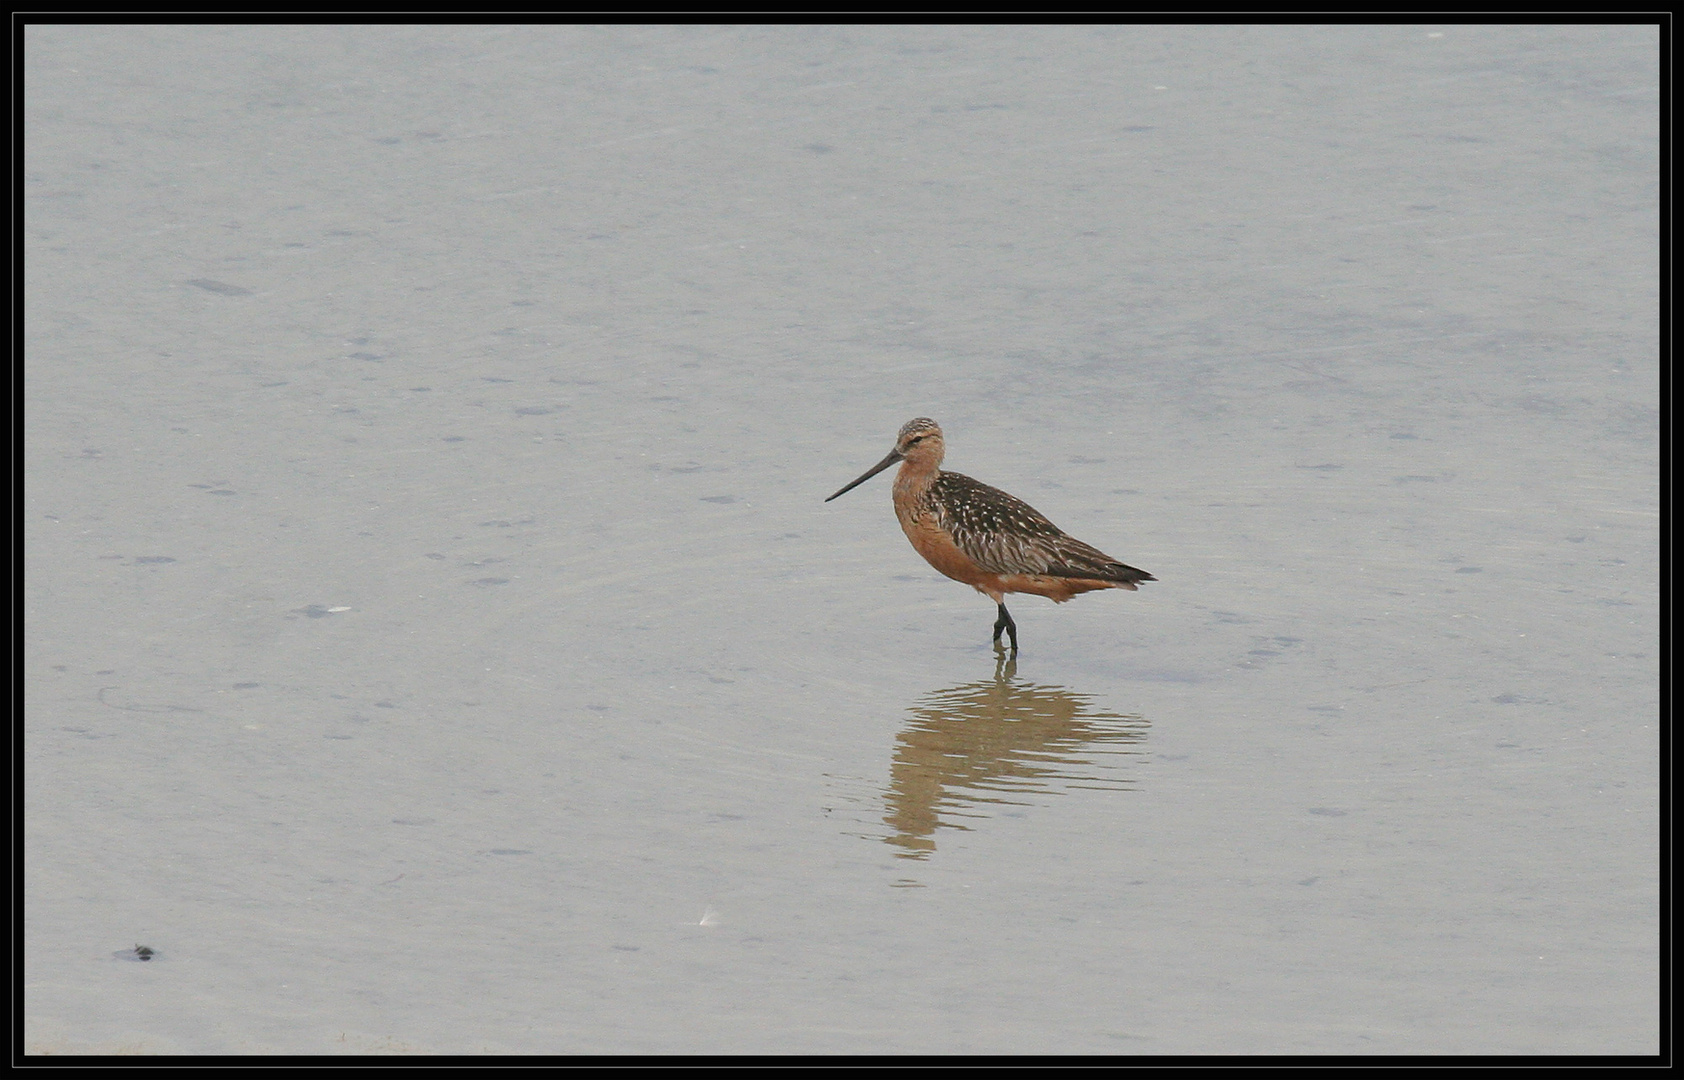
(979, 535)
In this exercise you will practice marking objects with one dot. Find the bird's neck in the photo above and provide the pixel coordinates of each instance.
(913, 481)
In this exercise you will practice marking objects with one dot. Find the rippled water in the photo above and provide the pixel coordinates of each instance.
(436, 640)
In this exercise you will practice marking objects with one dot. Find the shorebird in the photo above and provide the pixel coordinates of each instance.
(994, 542)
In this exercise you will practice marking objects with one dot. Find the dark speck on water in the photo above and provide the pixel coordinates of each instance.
(218, 287)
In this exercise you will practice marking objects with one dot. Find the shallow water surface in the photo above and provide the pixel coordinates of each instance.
(437, 641)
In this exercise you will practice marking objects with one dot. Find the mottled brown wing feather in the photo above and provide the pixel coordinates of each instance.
(1005, 535)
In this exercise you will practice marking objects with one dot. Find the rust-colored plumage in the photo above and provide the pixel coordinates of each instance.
(990, 540)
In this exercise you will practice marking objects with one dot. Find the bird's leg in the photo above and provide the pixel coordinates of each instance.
(1004, 622)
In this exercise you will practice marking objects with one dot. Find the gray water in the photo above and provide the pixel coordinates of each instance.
(437, 643)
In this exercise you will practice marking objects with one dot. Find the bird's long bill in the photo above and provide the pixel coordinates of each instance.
(894, 456)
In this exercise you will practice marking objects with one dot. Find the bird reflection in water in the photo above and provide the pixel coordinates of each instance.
(999, 741)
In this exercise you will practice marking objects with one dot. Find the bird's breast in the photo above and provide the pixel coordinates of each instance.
(937, 546)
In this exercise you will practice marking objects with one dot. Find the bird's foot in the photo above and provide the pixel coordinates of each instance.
(1004, 622)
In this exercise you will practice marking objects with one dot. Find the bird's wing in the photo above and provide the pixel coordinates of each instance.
(1005, 535)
